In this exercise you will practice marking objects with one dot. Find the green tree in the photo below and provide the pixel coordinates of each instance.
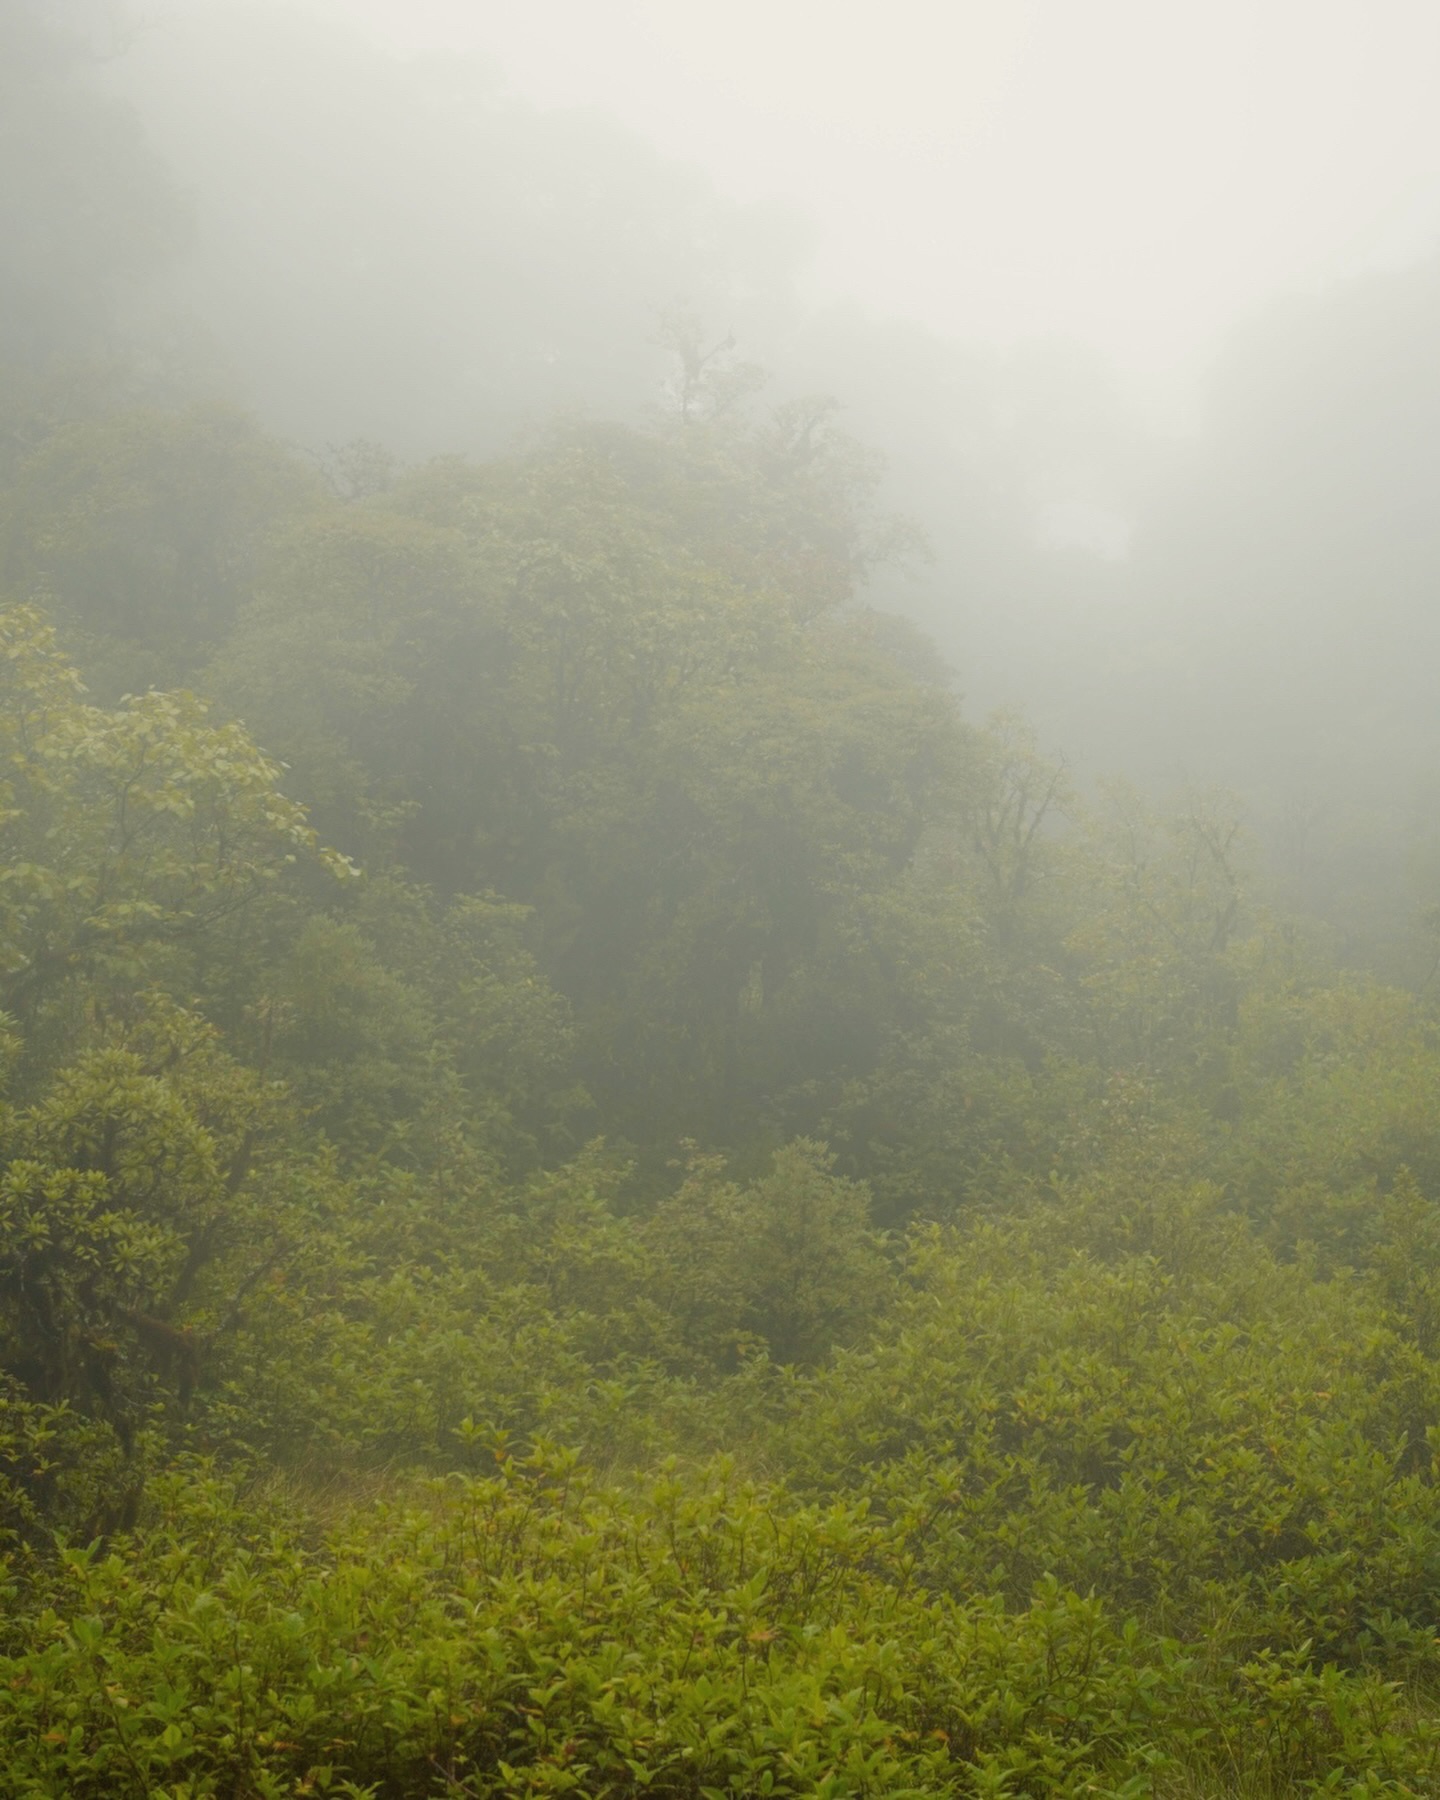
(142, 532)
(786, 1263)
(128, 835)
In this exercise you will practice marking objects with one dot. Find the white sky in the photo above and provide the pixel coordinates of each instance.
(1132, 173)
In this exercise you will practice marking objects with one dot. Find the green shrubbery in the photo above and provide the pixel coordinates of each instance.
(533, 1632)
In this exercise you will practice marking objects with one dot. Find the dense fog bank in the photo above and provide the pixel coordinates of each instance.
(360, 243)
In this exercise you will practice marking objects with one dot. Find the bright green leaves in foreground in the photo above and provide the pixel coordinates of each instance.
(537, 1633)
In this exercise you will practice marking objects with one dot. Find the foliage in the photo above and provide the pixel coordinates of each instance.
(142, 530)
(126, 833)
(534, 1632)
(992, 1349)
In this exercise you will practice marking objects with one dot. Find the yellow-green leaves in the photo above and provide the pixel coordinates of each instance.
(123, 830)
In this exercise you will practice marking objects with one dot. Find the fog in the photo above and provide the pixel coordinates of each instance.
(719, 898)
(1132, 176)
(1138, 304)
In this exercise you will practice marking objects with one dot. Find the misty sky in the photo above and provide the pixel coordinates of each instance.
(1134, 173)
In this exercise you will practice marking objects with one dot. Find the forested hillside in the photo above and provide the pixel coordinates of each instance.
(602, 1191)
